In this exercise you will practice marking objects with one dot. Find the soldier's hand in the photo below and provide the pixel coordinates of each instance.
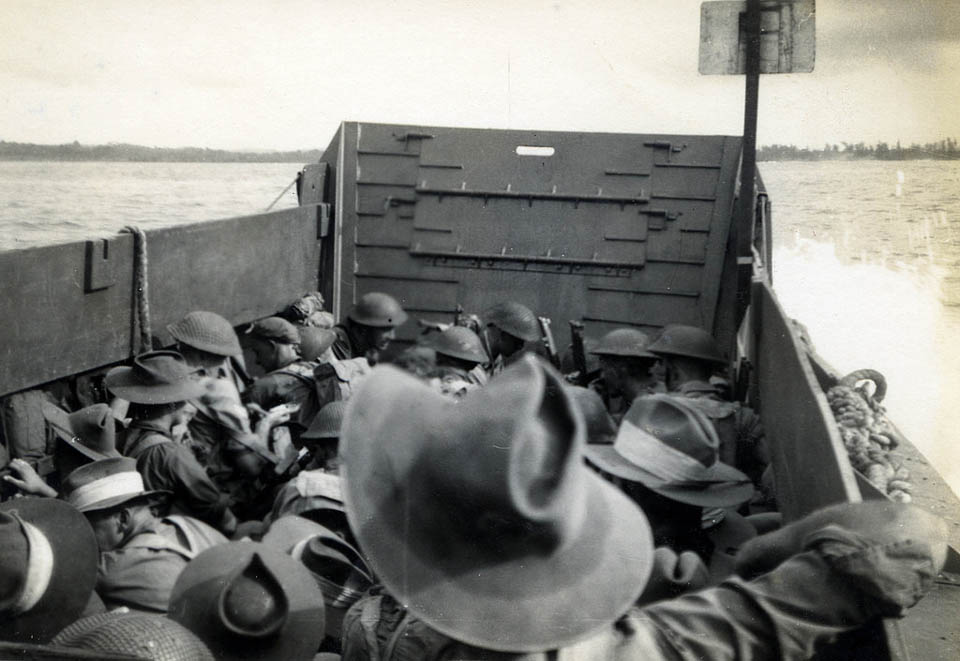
(28, 481)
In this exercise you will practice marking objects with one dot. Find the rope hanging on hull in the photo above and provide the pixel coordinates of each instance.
(141, 339)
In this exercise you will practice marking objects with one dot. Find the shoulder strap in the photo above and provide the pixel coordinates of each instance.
(143, 442)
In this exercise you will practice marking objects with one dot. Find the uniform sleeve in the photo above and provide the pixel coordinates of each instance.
(173, 467)
(221, 417)
(839, 583)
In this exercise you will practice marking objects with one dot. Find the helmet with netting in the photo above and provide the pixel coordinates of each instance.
(207, 331)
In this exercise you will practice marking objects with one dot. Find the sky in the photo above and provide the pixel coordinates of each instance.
(283, 74)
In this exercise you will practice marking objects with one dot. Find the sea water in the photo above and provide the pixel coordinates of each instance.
(866, 254)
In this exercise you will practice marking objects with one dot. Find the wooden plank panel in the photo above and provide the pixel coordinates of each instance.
(809, 461)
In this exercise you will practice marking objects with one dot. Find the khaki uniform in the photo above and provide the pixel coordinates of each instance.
(141, 573)
(741, 433)
(841, 581)
(165, 464)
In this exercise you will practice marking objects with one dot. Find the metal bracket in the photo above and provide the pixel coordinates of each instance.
(99, 272)
(324, 211)
(665, 144)
(656, 217)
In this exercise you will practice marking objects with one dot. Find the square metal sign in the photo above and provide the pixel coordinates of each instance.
(787, 37)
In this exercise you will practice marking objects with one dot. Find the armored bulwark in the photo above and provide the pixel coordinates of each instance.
(614, 229)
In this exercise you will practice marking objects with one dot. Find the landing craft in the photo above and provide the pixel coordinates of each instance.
(606, 230)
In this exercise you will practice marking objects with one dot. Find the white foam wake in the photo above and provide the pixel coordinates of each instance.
(889, 318)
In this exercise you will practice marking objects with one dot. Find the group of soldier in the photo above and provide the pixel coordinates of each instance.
(459, 498)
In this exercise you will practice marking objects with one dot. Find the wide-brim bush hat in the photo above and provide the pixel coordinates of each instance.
(48, 567)
(106, 483)
(673, 449)
(156, 377)
(338, 568)
(134, 634)
(91, 431)
(481, 516)
(248, 600)
(207, 331)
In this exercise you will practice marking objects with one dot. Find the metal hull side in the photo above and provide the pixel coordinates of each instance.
(243, 268)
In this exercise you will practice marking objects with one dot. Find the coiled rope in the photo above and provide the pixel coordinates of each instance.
(140, 336)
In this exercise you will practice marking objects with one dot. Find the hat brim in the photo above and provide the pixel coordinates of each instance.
(75, 558)
(287, 531)
(194, 596)
(123, 384)
(519, 604)
(720, 485)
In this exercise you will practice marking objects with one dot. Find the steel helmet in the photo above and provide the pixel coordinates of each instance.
(143, 635)
(516, 319)
(689, 341)
(459, 342)
(377, 309)
(627, 342)
(207, 331)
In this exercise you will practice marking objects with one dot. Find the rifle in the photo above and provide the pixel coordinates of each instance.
(579, 353)
(547, 340)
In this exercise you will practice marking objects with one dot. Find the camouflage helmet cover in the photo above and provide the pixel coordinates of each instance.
(207, 331)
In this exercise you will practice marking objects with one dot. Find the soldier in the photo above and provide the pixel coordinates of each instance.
(370, 326)
(83, 436)
(290, 379)
(234, 452)
(510, 326)
(690, 357)
(460, 353)
(626, 368)
(159, 387)
(141, 555)
(665, 457)
(494, 539)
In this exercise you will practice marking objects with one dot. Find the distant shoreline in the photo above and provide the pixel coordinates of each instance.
(127, 153)
(75, 152)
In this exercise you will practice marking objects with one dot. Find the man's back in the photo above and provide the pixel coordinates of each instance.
(141, 573)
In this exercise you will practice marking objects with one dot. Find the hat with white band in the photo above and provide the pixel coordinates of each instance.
(673, 449)
(105, 483)
(48, 568)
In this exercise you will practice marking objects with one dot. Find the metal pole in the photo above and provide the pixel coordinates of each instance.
(748, 164)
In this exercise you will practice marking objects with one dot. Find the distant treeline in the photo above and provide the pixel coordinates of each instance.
(23, 151)
(845, 151)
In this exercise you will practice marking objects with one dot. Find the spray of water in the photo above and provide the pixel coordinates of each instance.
(889, 318)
